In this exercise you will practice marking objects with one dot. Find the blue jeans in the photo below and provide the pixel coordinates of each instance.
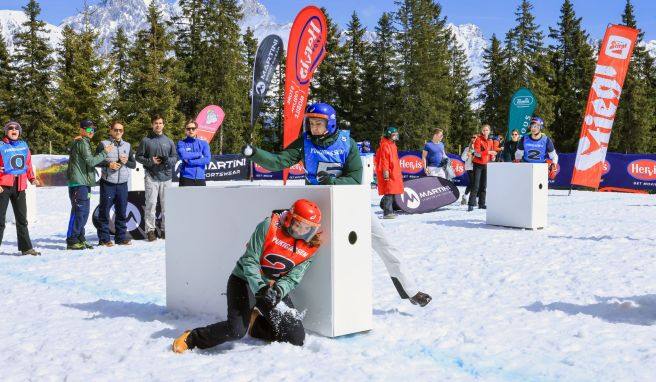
(79, 196)
(113, 195)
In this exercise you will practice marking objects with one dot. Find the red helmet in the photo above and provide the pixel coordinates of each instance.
(307, 213)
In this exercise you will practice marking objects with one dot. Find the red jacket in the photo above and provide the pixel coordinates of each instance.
(387, 159)
(482, 148)
(8, 179)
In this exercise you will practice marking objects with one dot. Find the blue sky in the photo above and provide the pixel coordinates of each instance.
(493, 16)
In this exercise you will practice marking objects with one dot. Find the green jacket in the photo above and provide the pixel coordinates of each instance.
(248, 265)
(82, 163)
(294, 153)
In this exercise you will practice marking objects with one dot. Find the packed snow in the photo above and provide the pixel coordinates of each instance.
(575, 301)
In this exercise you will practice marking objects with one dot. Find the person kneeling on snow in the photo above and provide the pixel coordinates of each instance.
(288, 238)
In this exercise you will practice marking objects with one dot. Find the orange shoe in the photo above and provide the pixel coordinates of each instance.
(254, 315)
(180, 343)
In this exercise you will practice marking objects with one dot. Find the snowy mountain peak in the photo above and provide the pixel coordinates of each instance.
(11, 22)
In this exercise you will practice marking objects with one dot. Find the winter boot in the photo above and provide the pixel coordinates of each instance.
(162, 235)
(124, 242)
(464, 200)
(180, 344)
(106, 243)
(389, 216)
(151, 236)
(470, 208)
(32, 252)
(422, 299)
(87, 245)
(76, 246)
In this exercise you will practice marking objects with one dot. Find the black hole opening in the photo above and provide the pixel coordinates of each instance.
(540, 186)
(353, 237)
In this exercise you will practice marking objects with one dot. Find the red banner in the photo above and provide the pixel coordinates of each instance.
(305, 50)
(209, 120)
(607, 82)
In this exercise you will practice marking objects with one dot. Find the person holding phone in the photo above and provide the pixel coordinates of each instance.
(115, 173)
(158, 155)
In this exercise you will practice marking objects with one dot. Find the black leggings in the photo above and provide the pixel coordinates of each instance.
(479, 185)
(277, 326)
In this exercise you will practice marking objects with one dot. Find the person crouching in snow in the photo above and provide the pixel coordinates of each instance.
(287, 239)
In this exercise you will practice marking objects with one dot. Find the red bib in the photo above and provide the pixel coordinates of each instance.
(281, 252)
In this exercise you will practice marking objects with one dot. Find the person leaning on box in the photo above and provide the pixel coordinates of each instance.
(115, 173)
(535, 147)
(15, 171)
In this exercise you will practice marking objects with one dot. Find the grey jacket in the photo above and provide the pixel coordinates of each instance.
(122, 148)
(161, 146)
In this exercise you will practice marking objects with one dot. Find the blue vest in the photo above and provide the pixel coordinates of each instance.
(330, 159)
(535, 151)
(14, 157)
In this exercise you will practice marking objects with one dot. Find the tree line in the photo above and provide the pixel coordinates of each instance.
(413, 75)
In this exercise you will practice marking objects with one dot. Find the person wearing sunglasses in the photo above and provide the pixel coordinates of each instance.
(115, 173)
(277, 256)
(81, 177)
(195, 155)
(510, 146)
(15, 171)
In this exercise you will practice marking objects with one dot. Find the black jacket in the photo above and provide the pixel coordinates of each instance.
(160, 146)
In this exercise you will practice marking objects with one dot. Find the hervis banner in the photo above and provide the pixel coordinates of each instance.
(612, 65)
(522, 105)
(305, 51)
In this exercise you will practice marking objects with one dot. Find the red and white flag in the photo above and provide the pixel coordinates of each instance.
(607, 82)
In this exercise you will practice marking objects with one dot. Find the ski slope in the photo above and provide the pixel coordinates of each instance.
(574, 302)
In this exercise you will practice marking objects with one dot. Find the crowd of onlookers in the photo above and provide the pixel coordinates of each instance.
(115, 158)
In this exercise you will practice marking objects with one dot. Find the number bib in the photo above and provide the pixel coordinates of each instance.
(14, 157)
(281, 252)
(535, 151)
(330, 159)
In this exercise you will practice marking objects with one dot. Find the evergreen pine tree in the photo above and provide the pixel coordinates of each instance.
(153, 77)
(6, 79)
(494, 89)
(571, 58)
(635, 121)
(351, 95)
(33, 89)
(381, 82)
(190, 50)
(119, 76)
(463, 120)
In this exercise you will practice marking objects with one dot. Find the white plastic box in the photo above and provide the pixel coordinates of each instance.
(367, 169)
(517, 194)
(207, 231)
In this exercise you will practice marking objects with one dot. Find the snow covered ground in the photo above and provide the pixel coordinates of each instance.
(574, 302)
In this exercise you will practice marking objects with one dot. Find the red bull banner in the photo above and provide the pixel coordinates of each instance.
(305, 51)
(612, 65)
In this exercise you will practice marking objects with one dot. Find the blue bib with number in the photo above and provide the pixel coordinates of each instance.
(14, 157)
(330, 159)
(535, 151)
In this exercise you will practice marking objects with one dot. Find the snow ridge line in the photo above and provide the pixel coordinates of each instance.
(107, 293)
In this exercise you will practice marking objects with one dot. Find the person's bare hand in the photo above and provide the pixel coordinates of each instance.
(156, 160)
(35, 182)
(114, 165)
(109, 148)
(123, 159)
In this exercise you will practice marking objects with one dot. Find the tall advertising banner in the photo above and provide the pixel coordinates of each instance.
(522, 105)
(306, 49)
(266, 61)
(209, 120)
(607, 82)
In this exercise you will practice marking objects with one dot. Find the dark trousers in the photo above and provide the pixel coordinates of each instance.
(288, 328)
(186, 182)
(19, 204)
(113, 195)
(79, 196)
(479, 185)
(386, 204)
(470, 174)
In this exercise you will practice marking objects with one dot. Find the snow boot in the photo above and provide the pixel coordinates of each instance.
(389, 216)
(87, 245)
(106, 243)
(470, 208)
(464, 200)
(32, 252)
(180, 344)
(76, 246)
(151, 236)
(124, 242)
(422, 299)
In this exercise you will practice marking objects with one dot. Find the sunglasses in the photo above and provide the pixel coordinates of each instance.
(118, 130)
(12, 127)
(90, 129)
(190, 128)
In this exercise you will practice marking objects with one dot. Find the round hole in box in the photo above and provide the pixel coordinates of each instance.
(352, 237)
(540, 186)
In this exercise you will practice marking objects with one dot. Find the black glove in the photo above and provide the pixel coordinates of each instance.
(164, 160)
(324, 178)
(248, 150)
(267, 298)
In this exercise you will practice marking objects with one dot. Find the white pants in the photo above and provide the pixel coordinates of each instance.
(391, 256)
(436, 171)
(154, 190)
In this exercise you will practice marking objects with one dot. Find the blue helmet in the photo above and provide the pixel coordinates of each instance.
(537, 121)
(325, 111)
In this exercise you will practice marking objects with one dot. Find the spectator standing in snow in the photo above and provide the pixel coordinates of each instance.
(15, 171)
(433, 155)
(467, 156)
(510, 147)
(483, 154)
(290, 234)
(388, 171)
(195, 155)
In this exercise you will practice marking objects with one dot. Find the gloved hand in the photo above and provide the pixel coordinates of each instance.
(385, 175)
(324, 178)
(267, 298)
(248, 150)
